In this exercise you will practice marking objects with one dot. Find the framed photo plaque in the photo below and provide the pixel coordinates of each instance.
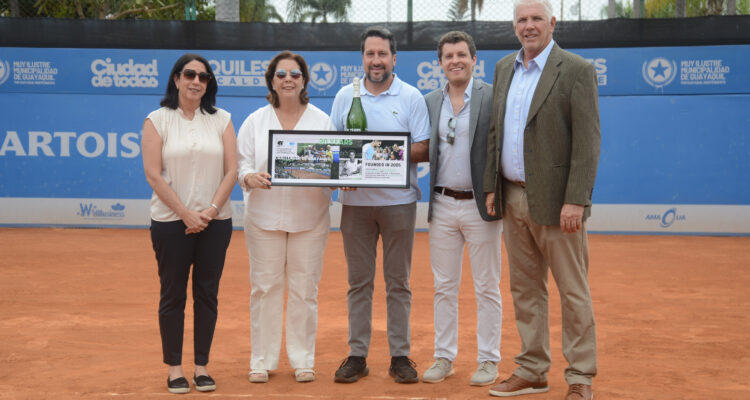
(339, 158)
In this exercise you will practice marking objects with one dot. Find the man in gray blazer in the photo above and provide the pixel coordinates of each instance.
(460, 119)
(542, 155)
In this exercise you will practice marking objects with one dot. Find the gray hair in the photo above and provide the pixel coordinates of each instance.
(545, 4)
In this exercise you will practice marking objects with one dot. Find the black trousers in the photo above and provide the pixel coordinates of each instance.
(175, 253)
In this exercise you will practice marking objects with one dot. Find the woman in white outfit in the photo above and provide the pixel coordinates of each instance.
(286, 228)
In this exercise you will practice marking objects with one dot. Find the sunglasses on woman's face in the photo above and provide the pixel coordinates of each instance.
(295, 73)
(190, 74)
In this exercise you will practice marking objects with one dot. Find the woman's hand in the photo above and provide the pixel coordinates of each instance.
(195, 221)
(260, 180)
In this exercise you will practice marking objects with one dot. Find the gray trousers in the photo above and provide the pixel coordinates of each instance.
(360, 228)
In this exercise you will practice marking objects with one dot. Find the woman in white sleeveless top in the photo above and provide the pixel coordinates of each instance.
(190, 159)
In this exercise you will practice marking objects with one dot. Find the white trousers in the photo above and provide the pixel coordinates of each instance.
(276, 257)
(453, 223)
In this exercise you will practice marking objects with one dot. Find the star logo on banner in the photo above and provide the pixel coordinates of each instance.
(659, 69)
(4, 71)
(323, 76)
(659, 72)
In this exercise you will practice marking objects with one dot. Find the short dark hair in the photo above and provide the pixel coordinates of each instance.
(272, 96)
(172, 97)
(454, 37)
(377, 31)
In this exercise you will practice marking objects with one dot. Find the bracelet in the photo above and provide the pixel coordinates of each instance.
(216, 208)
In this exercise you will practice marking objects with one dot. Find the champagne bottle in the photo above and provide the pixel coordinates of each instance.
(356, 120)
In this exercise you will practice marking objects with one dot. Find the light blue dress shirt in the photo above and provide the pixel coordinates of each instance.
(520, 94)
(401, 108)
(454, 167)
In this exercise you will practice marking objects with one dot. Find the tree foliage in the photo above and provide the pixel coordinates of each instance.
(621, 10)
(459, 8)
(314, 10)
(693, 8)
(110, 9)
(667, 8)
(258, 11)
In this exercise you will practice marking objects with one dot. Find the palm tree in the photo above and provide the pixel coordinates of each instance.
(460, 7)
(258, 10)
(455, 13)
(301, 10)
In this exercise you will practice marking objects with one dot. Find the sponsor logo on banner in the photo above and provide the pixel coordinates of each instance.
(431, 75)
(659, 72)
(34, 73)
(667, 219)
(93, 211)
(322, 76)
(4, 71)
(349, 72)
(240, 73)
(64, 144)
(600, 65)
(703, 72)
(124, 75)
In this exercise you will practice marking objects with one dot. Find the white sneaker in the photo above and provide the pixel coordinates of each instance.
(441, 369)
(485, 375)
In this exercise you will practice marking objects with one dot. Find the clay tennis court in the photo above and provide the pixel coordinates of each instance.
(79, 320)
(302, 174)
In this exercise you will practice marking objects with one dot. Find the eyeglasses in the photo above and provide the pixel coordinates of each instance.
(451, 136)
(190, 74)
(295, 73)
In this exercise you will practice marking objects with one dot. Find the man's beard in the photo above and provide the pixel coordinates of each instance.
(386, 75)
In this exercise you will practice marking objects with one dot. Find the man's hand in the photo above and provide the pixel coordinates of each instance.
(571, 218)
(489, 202)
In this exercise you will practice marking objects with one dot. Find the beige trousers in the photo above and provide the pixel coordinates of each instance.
(532, 250)
(276, 258)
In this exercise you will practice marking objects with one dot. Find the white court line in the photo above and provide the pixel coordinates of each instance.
(285, 395)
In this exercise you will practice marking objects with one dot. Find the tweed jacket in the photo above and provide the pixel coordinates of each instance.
(562, 137)
(480, 112)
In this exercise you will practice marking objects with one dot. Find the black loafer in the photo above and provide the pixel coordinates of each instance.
(178, 386)
(204, 383)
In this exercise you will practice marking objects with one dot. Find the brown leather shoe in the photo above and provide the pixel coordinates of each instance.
(515, 386)
(579, 391)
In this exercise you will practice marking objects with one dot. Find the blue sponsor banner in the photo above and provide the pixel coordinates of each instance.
(674, 120)
(621, 71)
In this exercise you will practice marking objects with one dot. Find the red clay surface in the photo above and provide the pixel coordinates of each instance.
(79, 320)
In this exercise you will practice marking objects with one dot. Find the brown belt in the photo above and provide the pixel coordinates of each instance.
(519, 183)
(458, 195)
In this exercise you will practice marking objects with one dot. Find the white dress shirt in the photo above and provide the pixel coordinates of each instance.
(454, 167)
(520, 94)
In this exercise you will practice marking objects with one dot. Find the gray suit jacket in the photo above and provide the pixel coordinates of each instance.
(561, 140)
(480, 112)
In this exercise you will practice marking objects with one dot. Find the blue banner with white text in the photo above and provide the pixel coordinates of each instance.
(675, 136)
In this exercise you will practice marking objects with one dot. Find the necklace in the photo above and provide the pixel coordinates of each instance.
(288, 122)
